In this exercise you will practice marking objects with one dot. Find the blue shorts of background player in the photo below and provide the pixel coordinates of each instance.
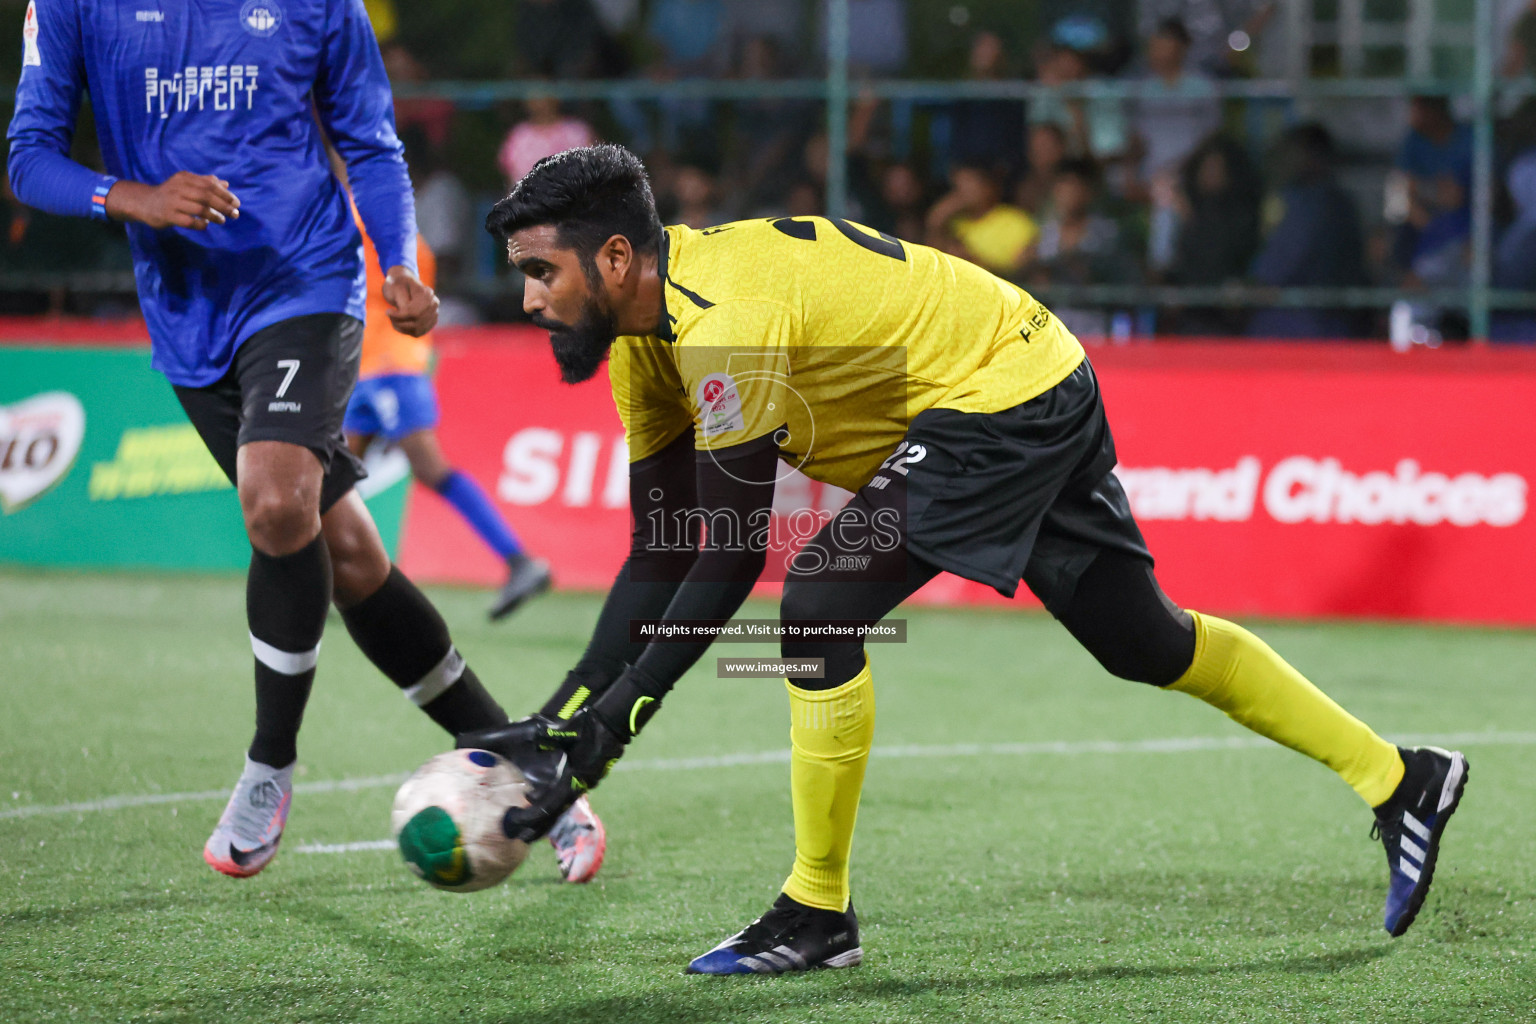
(392, 406)
(401, 410)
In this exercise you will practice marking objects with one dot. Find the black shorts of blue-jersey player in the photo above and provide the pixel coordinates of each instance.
(273, 425)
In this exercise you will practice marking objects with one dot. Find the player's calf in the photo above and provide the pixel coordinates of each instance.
(400, 631)
(398, 628)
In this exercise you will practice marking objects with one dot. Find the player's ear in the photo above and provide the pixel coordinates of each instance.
(615, 258)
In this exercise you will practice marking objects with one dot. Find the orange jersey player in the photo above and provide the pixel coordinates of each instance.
(395, 400)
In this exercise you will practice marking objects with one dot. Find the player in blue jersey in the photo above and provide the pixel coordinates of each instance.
(250, 275)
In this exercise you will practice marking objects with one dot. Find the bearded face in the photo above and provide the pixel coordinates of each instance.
(565, 293)
(581, 347)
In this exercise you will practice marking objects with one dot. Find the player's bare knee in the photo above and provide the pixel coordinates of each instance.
(280, 518)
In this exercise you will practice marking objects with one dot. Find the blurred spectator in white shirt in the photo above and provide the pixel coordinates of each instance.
(1178, 112)
(1093, 127)
(1221, 32)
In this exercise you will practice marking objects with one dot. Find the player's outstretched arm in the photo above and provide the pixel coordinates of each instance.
(661, 491)
(734, 485)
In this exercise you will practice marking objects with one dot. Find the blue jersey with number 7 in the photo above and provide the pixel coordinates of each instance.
(230, 88)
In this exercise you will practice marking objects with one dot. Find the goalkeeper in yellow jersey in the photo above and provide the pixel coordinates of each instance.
(968, 423)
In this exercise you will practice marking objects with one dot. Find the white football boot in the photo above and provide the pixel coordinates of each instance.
(251, 826)
(580, 841)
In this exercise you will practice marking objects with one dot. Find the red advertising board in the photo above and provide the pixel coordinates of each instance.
(551, 455)
(1291, 480)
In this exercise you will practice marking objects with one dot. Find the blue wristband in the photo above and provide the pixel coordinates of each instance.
(99, 197)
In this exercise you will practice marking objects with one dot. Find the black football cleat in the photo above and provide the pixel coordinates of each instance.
(790, 937)
(1410, 825)
(526, 577)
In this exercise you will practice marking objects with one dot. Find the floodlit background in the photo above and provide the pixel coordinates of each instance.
(1299, 240)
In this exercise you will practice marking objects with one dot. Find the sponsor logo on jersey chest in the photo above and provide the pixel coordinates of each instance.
(261, 18)
(202, 87)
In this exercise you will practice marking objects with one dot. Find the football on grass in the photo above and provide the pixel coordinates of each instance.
(447, 820)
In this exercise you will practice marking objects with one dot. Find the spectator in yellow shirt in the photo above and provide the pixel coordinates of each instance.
(973, 222)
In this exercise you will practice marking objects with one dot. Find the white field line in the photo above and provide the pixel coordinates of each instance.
(117, 803)
(366, 844)
(1178, 745)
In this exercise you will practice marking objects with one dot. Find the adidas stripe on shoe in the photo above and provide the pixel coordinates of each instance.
(790, 937)
(1410, 826)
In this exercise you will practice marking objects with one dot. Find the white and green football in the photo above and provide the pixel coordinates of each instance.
(447, 820)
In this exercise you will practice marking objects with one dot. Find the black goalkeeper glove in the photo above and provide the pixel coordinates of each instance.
(587, 745)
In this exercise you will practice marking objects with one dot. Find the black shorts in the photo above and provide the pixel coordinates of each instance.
(288, 382)
(1026, 493)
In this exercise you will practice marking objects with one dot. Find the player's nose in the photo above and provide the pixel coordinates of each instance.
(533, 298)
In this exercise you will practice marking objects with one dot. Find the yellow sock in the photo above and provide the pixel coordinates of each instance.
(831, 732)
(1237, 672)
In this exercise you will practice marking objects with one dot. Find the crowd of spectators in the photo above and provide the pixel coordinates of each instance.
(1173, 187)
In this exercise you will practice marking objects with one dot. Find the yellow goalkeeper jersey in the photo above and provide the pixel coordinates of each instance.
(830, 337)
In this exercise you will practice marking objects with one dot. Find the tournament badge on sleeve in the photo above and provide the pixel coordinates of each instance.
(30, 55)
(719, 405)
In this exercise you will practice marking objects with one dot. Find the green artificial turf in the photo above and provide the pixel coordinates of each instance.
(1186, 882)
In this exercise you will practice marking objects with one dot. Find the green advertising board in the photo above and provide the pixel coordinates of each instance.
(99, 468)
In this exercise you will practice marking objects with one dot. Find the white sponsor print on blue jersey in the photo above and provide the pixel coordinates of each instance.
(261, 17)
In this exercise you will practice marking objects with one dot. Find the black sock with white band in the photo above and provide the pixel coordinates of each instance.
(286, 598)
(400, 631)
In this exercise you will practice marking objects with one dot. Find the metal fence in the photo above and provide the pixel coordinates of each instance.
(1349, 33)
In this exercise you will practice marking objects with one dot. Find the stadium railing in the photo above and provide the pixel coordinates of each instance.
(838, 88)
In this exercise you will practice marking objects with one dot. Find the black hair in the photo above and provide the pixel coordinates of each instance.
(986, 169)
(1084, 168)
(1312, 139)
(1175, 29)
(1304, 153)
(1440, 105)
(1242, 177)
(588, 195)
